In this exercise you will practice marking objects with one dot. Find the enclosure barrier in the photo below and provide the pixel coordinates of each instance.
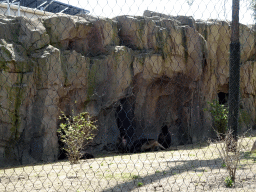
(127, 96)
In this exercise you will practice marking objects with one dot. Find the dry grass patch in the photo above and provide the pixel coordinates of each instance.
(185, 168)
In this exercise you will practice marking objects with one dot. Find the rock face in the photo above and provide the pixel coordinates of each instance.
(157, 69)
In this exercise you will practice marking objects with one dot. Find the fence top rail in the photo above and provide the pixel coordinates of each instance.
(25, 9)
(17, 5)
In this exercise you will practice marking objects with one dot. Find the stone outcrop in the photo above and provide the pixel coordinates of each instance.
(162, 69)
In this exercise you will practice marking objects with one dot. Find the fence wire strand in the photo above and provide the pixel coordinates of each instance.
(125, 96)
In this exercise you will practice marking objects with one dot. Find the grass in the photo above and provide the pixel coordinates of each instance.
(200, 175)
(135, 176)
(140, 184)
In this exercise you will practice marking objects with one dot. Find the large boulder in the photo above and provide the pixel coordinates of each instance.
(85, 35)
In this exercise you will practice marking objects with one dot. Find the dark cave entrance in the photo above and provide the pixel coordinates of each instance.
(125, 118)
(164, 137)
(62, 153)
(223, 98)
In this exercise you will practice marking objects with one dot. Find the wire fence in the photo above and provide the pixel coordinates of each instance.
(125, 96)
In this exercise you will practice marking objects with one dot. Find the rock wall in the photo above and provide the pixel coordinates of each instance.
(165, 68)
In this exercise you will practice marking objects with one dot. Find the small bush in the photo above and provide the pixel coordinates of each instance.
(244, 117)
(220, 116)
(74, 133)
(230, 153)
(229, 182)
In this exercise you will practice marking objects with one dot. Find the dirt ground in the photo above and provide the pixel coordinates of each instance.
(184, 168)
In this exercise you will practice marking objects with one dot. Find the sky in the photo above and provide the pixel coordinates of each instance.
(200, 9)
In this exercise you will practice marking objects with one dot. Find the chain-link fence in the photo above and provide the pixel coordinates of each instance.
(153, 76)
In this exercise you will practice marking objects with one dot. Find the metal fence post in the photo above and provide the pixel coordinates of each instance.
(234, 70)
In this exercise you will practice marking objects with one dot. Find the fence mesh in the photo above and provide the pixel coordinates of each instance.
(153, 76)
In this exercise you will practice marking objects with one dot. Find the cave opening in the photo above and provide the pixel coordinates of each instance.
(164, 137)
(62, 153)
(223, 98)
(125, 118)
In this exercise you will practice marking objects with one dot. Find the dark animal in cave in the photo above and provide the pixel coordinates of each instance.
(164, 137)
(151, 145)
(124, 119)
(140, 145)
(122, 145)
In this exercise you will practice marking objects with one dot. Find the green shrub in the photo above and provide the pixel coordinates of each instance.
(244, 117)
(220, 116)
(140, 184)
(229, 182)
(74, 133)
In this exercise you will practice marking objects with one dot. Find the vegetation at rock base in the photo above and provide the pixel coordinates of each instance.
(74, 133)
(220, 116)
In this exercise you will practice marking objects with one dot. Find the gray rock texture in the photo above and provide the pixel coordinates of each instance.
(165, 68)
